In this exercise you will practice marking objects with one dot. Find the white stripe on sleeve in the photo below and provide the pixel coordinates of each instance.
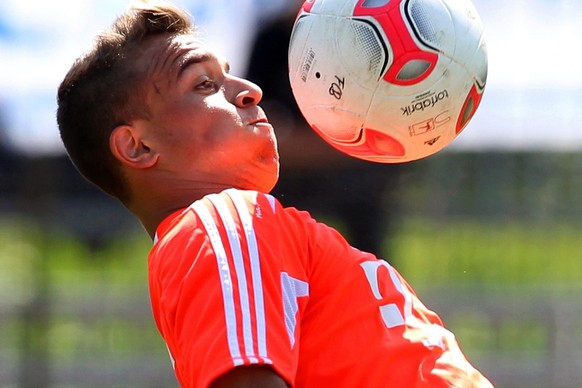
(238, 258)
(253, 252)
(225, 280)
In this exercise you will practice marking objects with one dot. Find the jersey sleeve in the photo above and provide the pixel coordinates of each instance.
(217, 294)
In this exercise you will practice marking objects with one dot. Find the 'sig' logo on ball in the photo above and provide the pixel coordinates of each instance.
(429, 124)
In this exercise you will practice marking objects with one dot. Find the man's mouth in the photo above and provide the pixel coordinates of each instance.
(259, 121)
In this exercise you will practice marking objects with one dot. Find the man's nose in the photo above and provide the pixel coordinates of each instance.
(245, 92)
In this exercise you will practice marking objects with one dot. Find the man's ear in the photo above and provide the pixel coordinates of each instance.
(128, 147)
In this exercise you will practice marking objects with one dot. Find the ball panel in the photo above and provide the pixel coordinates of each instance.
(367, 45)
(383, 144)
(469, 108)
(374, 3)
(335, 122)
(431, 23)
(478, 67)
(370, 145)
(413, 69)
(391, 22)
(308, 5)
(342, 8)
(470, 48)
(328, 93)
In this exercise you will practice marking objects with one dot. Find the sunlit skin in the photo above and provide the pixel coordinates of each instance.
(204, 132)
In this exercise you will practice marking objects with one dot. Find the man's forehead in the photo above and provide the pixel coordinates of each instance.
(180, 49)
(181, 46)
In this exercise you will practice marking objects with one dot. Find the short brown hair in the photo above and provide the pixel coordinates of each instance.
(103, 90)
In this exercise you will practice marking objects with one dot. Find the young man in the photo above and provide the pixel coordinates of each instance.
(244, 291)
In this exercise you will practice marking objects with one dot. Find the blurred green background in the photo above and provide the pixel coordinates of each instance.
(491, 241)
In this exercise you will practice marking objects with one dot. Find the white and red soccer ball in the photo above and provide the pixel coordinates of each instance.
(388, 81)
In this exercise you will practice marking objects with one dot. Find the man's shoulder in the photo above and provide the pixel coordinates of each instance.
(234, 210)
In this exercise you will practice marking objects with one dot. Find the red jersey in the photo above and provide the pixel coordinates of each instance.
(237, 279)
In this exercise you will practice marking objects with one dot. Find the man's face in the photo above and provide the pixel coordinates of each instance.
(205, 123)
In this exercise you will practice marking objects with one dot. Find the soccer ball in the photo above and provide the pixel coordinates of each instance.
(388, 81)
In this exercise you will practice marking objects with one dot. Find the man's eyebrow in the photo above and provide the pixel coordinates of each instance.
(195, 58)
(192, 59)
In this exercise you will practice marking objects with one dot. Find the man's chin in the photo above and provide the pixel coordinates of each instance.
(267, 183)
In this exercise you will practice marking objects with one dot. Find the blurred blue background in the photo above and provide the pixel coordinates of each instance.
(487, 231)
